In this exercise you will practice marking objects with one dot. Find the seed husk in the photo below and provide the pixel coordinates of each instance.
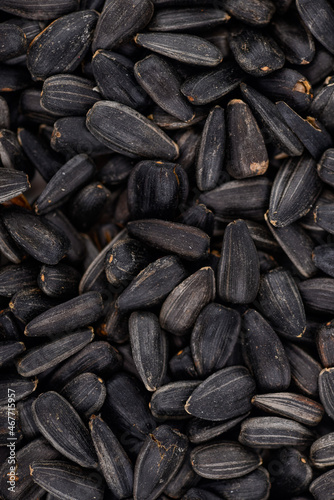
(59, 281)
(322, 451)
(322, 105)
(291, 470)
(21, 386)
(182, 365)
(304, 369)
(224, 395)
(13, 41)
(295, 40)
(318, 294)
(87, 205)
(264, 353)
(319, 26)
(254, 12)
(76, 250)
(290, 405)
(168, 401)
(182, 306)
(326, 378)
(43, 10)
(323, 216)
(12, 157)
(62, 479)
(152, 285)
(188, 49)
(274, 432)
(325, 167)
(325, 344)
(9, 350)
(187, 19)
(321, 488)
(13, 78)
(26, 418)
(13, 183)
(28, 303)
(201, 431)
(86, 393)
(74, 31)
(15, 277)
(162, 83)
(253, 486)
(159, 459)
(184, 479)
(128, 132)
(286, 314)
(114, 462)
(125, 17)
(213, 338)
(60, 424)
(8, 247)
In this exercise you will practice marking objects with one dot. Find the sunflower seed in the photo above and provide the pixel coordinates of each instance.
(326, 377)
(304, 369)
(86, 393)
(168, 401)
(45, 9)
(59, 281)
(182, 365)
(291, 472)
(322, 106)
(253, 486)
(321, 488)
(9, 350)
(200, 431)
(325, 344)
(254, 12)
(296, 41)
(21, 386)
(28, 303)
(318, 294)
(13, 183)
(322, 451)
(16, 277)
(319, 26)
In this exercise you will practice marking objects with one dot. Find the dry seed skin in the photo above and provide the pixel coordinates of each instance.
(9, 350)
(184, 19)
(62, 427)
(297, 42)
(254, 12)
(158, 461)
(322, 451)
(128, 132)
(325, 344)
(59, 281)
(40, 9)
(12, 183)
(168, 401)
(319, 18)
(86, 393)
(304, 369)
(20, 385)
(222, 396)
(125, 260)
(224, 461)
(199, 430)
(317, 294)
(326, 378)
(325, 167)
(294, 475)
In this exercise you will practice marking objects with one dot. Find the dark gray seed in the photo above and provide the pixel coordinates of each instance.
(125, 17)
(247, 153)
(297, 245)
(311, 133)
(290, 405)
(125, 260)
(308, 222)
(9, 327)
(9, 350)
(188, 141)
(304, 369)
(68, 95)
(71, 136)
(182, 306)
(274, 432)
(210, 158)
(182, 365)
(26, 419)
(31, 28)
(253, 486)
(273, 122)
(155, 189)
(36, 235)
(319, 18)
(210, 86)
(199, 494)
(222, 396)
(322, 451)
(65, 480)
(13, 78)
(326, 393)
(184, 479)
(187, 19)
(86, 393)
(126, 407)
(115, 79)
(149, 348)
(70, 315)
(162, 83)
(13, 183)
(114, 462)
(152, 285)
(4, 114)
(13, 41)
(44, 159)
(41, 10)
(323, 216)
(291, 472)
(281, 303)
(67, 180)
(128, 132)
(188, 242)
(25, 487)
(77, 249)
(226, 460)
(295, 189)
(12, 157)
(199, 216)
(30, 106)
(267, 262)
(8, 247)
(318, 294)
(238, 270)
(254, 12)
(74, 32)
(168, 401)
(256, 53)
(115, 325)
(325, 344)
(15, 277)
(200, 431)
(227, 201)
(320, 66)
(18, 385)
(98, 357)
(115, 171)
(213, 338)
(158, 461)
(28, 303)
(60, 424)
(169, 122)
(295, 40)
(264, 353)
(86, 206)
(325, 167)
(322, 105)
(322, 487)
(59, 281)
(262, 238)
(47, 356)
(188, 49)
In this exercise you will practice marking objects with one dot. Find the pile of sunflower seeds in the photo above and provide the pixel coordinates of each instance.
(166, 249)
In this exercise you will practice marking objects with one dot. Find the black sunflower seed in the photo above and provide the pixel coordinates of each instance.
(12, 157)
(114, 462)
(296, 41)
(322, 105)
(262, 238)
(114, 326)
(9, 350)
(26, 419)
(320, 66)
(12, 183)
(128, 132)
(76, 250)
(8, 247)
(182, 365)
(74, 31)
(169, 122)
(274, 432)
(199, 216)
(60, 424)
(16, 277)
(325, 344)
(319, 26)
(291, 472)
(318, 294)
(13, 78)
(326, 378)
(86, 393)
(158, 461)
(13, 41)
(187, 19)
(322, 451)
(86, 206)
(168, 401)
(325, 167)
(304, 369)
(44, 10)
(323, 216)
(19, 385)
(253, 486)
(59, 281)
(9, 327)
(184, 479)
(200, 431)
(222, 396)
(30, 103)
(254, 12)
(28, 303)
(321, 488)
(290, 405)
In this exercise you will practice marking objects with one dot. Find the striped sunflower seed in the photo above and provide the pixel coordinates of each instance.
(326, 395)
(86, 393)
(322, 451)
(13, 183)
(168, 401)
